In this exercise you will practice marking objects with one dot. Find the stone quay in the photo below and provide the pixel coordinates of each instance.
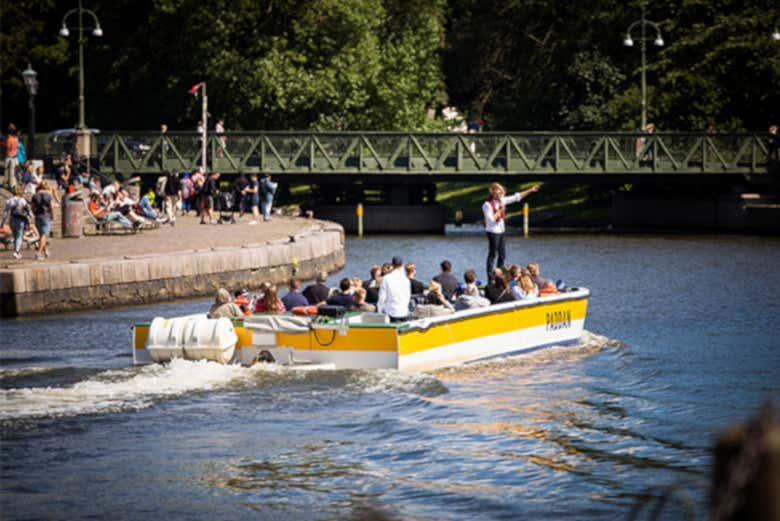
(167, 263)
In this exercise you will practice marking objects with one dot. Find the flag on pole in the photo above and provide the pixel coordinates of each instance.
(194, 89)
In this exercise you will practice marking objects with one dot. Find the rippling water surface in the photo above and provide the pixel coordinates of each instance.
(683, 339)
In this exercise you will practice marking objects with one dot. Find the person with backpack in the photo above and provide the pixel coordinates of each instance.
(268, 189)
(17, 214)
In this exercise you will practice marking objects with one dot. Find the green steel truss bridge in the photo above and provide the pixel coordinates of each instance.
(365, 155)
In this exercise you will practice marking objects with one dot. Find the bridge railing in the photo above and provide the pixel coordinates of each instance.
(366, 153)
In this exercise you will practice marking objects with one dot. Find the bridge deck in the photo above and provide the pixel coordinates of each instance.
(370, 154)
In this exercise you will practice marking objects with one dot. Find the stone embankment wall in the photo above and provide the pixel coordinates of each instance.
(140, 279)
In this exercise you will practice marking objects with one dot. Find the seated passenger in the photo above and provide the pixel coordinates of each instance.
(545, 286)
(525, 289)
(359, 301)
(294, 297)
(514, 275)
(471, 289)
(317, 293)
(375, 279)
(436, 303)
(222, 306)
(343, 297)
(411, 272)
(492, 289)
(372, 284)
(270, 303)
(470, 297)
(498, 290)
(241, 299)
(436, 296)
(448, 281)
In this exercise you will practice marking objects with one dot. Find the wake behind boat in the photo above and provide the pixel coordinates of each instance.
(368, 340)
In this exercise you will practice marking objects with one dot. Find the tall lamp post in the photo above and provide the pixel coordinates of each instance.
(81, 127)
(31, 82)
(657, 41)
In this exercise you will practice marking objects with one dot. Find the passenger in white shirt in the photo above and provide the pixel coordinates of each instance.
(494, 210)
(395, 293)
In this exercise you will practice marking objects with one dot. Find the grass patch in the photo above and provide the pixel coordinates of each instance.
(555, 204)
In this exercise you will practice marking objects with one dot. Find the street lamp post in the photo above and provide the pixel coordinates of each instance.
(81, 128)
(31, 82)
(657, 41)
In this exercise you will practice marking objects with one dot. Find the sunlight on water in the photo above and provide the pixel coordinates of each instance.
(7, 374)
(530, 363)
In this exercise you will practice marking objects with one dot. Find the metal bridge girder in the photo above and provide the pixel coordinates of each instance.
(422, 154)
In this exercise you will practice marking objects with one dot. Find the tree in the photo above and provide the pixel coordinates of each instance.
(274, 64)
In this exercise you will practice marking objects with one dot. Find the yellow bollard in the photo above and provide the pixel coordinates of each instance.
(525, 220)
(458, 218)
(360, 219)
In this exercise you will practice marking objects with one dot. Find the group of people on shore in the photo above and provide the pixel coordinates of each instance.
(199, 191)
(392, 289)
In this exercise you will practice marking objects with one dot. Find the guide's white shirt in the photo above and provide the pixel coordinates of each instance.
(491, 225)
(394, 294)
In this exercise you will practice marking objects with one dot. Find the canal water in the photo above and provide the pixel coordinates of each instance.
(683, 339)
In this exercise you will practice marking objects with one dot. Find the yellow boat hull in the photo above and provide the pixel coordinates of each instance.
(419, 345)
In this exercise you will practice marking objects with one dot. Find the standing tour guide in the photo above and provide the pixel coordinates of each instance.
(494, 210)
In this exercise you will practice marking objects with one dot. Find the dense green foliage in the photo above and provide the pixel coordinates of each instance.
(540, 64)
(389, 64)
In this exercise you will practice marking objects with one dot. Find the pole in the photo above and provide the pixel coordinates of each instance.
(525, 220)
(31, 143)
(644, 82)
(360, 219)
(82, 124)
(204, 118)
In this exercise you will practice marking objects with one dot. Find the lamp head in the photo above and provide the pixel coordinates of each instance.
(97, 31)
(776, 35)
(658, 42)
(30, 80)
(628, 42)
(64, 31)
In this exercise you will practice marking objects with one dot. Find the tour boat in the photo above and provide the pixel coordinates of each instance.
(368, 340)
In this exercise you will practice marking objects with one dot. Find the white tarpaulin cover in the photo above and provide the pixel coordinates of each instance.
(277, 323)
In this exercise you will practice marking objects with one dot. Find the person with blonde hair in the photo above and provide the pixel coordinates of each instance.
(436, 296)
(525, 288)
(436, 303)
(360, 304)
(494, 211)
